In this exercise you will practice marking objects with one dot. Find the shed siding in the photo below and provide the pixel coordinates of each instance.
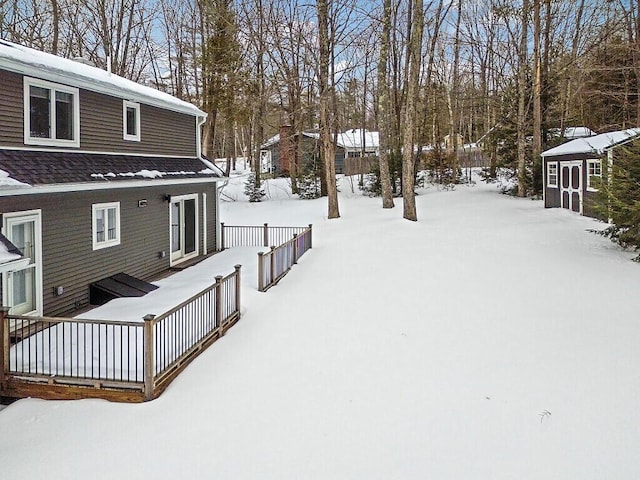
(68, 256)
(163, 132)
(551, 194)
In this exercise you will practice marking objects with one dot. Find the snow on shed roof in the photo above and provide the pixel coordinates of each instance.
(42, 65)
(597, 144)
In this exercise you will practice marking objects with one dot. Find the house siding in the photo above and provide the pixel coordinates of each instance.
(11, 110)
(67, 251)
(163, 132)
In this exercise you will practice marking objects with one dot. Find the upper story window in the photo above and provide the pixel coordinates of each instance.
(51, 114)
(594, 174)
(131, 121)
(106, 225)
(552, 174)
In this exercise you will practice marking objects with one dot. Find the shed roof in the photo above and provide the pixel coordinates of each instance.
(26, 168)
(28, 61)
(597, 144)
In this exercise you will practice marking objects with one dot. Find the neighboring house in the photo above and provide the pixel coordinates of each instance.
(102, 182)
(278, 151)
(569, 169)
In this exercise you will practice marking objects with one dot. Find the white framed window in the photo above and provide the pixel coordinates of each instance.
(22, 288)
(106, 225)
(552, 174)
(51, 114)
(131, 121)
(594, 173)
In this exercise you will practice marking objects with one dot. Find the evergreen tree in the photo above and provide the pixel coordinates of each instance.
(619, 198)
(252, 190)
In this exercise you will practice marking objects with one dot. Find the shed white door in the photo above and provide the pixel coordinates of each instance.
(571, 185)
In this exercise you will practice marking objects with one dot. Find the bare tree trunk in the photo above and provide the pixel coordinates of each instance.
(414, 54)
(55, 25)
(384, 123)
(537, 94)
(636, 55)
(522, 92)
(327, 145)
(258, 114)
(454, 103)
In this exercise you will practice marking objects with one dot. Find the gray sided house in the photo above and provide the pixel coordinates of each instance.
(102, 184)
(278, 152)
(569, 169)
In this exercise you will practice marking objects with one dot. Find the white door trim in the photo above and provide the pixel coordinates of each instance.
(570, 189)
(12, 218)
(180, 256)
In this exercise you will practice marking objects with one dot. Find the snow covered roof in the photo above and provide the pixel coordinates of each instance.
(352, 139)
(276, 138)
(30, 62)
(572, 133)
(349, 140)
(597, 144)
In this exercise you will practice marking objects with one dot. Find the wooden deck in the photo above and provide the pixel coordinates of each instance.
(133, 362)
(65, 388)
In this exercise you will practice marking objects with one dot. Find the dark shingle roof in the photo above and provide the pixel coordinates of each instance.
(46, 168)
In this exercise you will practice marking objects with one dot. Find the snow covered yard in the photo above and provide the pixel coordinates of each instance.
(493, 339)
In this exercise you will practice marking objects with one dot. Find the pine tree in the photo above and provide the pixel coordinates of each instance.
(252, 189)
(619, 198)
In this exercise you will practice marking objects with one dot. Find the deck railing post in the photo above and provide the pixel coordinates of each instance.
(218, 290)
(237, 268)
(265, 235)
(148, 356)
(295, 248)
(222, 235)
(272, 265)
(260, 271)
(310, 234)
(4, 344)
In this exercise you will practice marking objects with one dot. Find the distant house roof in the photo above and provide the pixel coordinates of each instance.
(572, 133)
(30, 62)
(276, 138)
(349, 140)
(597, 144)
(352, 139)
(24, 169)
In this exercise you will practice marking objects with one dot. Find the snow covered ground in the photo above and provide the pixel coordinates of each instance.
(492, 339)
